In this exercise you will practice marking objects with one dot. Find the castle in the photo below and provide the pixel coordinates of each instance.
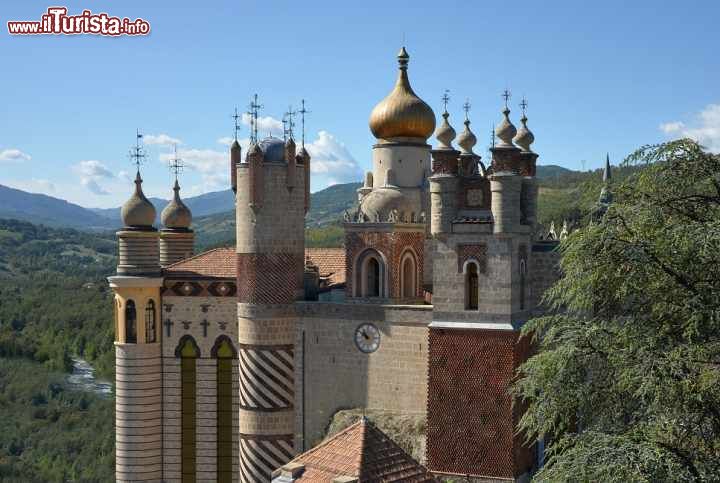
(231, 362)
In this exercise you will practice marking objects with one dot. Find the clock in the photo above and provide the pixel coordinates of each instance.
(474, 197)
(367, 338)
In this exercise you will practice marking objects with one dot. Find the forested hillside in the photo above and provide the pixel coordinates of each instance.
(54, 303)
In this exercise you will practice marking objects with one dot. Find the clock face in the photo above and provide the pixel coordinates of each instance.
(474, 197)
(367, 338)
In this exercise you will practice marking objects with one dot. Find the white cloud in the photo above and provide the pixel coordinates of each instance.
(331, 160)
(705, 128)
(125, 176)
(226, 141)
(91, 172)
(14, 155)
(266, 125)
(160, 139)
(212, 165)
(44, 185)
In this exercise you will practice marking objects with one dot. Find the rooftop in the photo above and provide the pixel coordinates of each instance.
(359, 453)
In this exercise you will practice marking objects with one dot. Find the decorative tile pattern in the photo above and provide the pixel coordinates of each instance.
(261, 455)
(477, 251)
(266, 378)
(269, 278)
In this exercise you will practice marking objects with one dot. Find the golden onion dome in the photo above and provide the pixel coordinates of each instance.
(402, 113)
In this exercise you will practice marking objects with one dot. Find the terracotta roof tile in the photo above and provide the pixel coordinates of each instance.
(330, 261)
(364, 452)
(221, 263)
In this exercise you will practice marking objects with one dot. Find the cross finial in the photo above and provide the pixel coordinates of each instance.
(446, 98)
(254, 109)
(506, 95)
(302, 112)
(236, 117)
(290, 116)
(523, 105)
(492, 137)
(137, 154)
(176, 164)
(466, 108)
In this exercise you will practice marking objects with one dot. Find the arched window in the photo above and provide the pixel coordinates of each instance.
(150, 321)
(130, 323)
(372, 278)
(408, 281)
(188, 351)
(224, 352)
(472, 287)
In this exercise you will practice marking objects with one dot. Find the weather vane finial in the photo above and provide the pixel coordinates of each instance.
(176, 164)
(466, 108)
(523, 105)
(254, 108)
(302, 112)
(446, 98)
(290, 122)
(506, 95)
(137, 154)
(236, 117)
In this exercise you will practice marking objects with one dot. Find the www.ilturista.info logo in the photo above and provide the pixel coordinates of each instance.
(57, 22)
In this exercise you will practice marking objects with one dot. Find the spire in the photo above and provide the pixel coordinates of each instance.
(607, 173)
(176, 215)
(505, 131)
(445, 133)
(467, 140)
(302, 113)
(524, 137)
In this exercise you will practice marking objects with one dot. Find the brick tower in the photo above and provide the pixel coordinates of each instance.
(270, 208)
(482, 224)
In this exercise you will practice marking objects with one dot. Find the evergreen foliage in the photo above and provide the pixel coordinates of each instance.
(626, 382)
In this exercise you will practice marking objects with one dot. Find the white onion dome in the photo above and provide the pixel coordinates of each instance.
(176, 214)
(466, 140)
(402, 113)
(138, 211)
(524, 137)
(445, 133)
(378, 204)
(505, 131)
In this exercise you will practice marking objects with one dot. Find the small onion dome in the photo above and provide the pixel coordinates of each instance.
(505, 131)
(176, 214)
(235, 151)
(524, 137)
(466, 140)
(445, 133)
(254, 150)
(380, 203)
(402, 113)
(138, 212)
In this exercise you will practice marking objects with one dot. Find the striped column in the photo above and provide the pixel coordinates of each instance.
(267, 390)
(175, 245)
(138, 412)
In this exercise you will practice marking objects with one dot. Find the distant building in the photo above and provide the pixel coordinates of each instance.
(232, 362)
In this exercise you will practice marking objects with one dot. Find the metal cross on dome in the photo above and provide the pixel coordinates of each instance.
(466, 108)
(446, 98)
(176, 164)
(506, 95)
(137, 154)
(289, 116)
(523, 105)
(254, 109)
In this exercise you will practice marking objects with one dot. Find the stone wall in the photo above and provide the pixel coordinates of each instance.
(337, 375)
(545, 270)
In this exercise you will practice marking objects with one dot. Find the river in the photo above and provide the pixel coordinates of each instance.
(83, 379)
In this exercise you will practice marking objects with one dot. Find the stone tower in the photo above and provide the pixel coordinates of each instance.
(138, 373)
(386, 239)
(176, 239)
(482, 225)
(270, 207)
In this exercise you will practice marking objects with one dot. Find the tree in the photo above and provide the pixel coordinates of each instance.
(625, 385)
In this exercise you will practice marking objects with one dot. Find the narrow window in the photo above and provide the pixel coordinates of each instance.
(188, 353)
(150, 321)
(373, 278)
(523, 269)
(471, 287)
(224, 354)
(408, 273)
(130, 323)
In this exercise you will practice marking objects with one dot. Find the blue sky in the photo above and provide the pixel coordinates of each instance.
(599, 76)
